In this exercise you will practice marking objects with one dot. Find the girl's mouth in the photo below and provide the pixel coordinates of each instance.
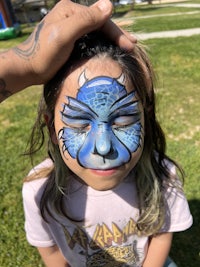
(107, 172)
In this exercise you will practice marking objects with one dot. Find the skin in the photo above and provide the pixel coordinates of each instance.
(158, 250)
(53, 42)
(98, 169)
(52, 257)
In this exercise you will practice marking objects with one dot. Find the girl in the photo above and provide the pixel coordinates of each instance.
(107, 195)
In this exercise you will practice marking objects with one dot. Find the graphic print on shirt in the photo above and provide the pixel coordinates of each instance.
(107, 246)
(102, 124)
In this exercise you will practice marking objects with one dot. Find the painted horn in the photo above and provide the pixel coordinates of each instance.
(82, 79)
(121, 79)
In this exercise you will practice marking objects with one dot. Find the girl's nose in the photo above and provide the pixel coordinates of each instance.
(103, 144)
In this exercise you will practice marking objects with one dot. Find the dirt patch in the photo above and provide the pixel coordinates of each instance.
(124, 23)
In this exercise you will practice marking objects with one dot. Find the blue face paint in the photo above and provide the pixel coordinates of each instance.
(103, 124)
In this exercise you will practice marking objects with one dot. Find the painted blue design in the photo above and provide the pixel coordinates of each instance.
(103, 124)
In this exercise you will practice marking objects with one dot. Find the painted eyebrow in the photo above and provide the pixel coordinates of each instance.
(75, 109)
(125, 106)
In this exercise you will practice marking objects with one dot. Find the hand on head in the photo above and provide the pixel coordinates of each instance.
(36, 60)
(52, 41)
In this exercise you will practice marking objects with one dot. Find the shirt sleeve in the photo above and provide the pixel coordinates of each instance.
(178, 216)
(37, 231)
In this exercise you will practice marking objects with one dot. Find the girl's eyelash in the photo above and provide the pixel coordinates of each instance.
(78, 126)
(129, 119)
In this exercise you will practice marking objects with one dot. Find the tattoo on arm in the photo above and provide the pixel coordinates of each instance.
(28, 49)
(31, 44)
(3, 92)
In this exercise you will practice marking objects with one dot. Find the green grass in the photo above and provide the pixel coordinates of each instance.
(25, 32)
(177, 64)
(154, 9)
(16, 118)
(193, 2)
(157, 10)
(166, 23)
(148, 18)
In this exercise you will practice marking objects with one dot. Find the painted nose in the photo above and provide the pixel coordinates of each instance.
(103, 141)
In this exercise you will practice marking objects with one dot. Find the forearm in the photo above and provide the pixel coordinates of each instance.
(15, 74)
(52, 257)
(158, 250)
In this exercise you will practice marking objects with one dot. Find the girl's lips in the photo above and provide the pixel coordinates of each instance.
(104, 172)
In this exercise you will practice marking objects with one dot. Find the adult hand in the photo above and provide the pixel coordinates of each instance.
(52, 41)
(37, 59)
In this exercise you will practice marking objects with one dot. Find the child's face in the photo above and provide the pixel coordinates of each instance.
(99, 123)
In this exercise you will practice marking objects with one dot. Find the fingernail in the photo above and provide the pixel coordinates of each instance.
(103, 5)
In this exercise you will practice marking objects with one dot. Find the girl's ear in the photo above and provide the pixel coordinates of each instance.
(50, 124)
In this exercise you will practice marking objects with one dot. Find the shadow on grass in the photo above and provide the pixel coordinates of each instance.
(186, 245)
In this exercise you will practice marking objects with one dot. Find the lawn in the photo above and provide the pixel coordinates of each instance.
(177, 64)
(155, 9)
(166, 23)
(155, 18)
(25, 32)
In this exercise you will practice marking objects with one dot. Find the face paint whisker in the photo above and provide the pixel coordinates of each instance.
(77, 106)
(126, 113)
(125, 117)
(60, 134)
(71, 117)
(64, 148)
(125, 99)
(79, 111)
(126, 105)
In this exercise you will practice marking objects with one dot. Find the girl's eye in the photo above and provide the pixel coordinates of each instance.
(80, 126)
(76, 124)
(125, 121)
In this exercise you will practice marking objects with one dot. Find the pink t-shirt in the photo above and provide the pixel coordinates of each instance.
(106, 234)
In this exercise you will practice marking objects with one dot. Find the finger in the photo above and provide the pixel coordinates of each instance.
(63, 9)
(121, 37)
(96, 16)
(86, 19)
